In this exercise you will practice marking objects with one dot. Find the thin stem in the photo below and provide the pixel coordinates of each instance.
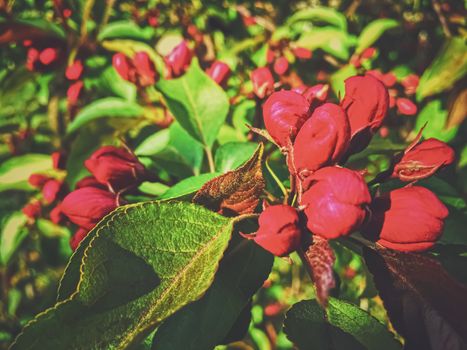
(208, 151)
(442, 19)
(278, 181)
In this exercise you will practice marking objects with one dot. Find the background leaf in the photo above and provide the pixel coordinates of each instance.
(449, 66)
(233, 154)
(425, 304)
(373, 31)
(197, 102)
(12, 234)
(105, 107)
(188, 186)
(343, 326)
(14, 173)
(143, 263)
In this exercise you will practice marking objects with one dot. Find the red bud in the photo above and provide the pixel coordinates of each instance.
(38, 180)
(87, 206)
(302, 53)
(89, 181)
(115, 166)
(179, 59)
(405, 106)
(73, 92)
(219, 72)
(281, 65)
(407, 219)
(58, 160)
(145, 69)
(322, 140)
(32, 209)
(50, 190)
(423, 160)
(335, 202)
(284, 113)
(56, 215)
(366, 103)
(263, 82)
(278, 230)
(32, 59)
(316, 95)
(410, 83)
(122, 65)
(73, 72)
(76, 239)
(48, 55)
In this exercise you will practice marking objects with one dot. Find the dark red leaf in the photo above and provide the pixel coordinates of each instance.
(426, 305)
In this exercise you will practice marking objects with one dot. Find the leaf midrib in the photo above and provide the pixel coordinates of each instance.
(133, 335)
(196, 114)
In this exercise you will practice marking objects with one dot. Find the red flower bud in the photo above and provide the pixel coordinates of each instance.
(32, 209)
(316, 95)
(122, 65)
(58, 160)
(284, 113)
(73, 72)
(219, 72)
(87, 206)
(56, 215)
(89, 181)
(389, 79)
(407, 219)
(405, 106)
(179, 59)
(278, 230)
(302, 53)
(67, 13)
(48, 55)
(281, 65)
(410, 83)
(423, 160)
(32, 59)
(263, 82)
(78, 237)
(322, 140)
(335, 202)
(115, 166)
(73, 92)
(145, 69)
(38, 180)
(368, 53)
(366, 103)
(270, 55)
(51, 190)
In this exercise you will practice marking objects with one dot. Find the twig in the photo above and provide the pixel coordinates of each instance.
(442, 19)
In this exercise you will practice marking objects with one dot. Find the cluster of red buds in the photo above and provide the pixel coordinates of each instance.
(317, 137)
(262, 78)
(178, 60)
(73, 73)
(398, 95)
(38, 59)
(113, 171)
(138, 70)
(52, 190)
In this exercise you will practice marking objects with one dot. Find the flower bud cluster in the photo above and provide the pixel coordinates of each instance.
(113, 171)
(138, 70)
(317, 136)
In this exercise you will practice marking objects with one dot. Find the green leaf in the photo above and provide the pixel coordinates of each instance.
(125, 30)
(14, 173)
(373, 31)
(231, 155)
(144, 262)
(105, 107)
(445, 191)
(207, 321)
(449, 66)
(320, 14)
(12, 234)
(331, 40)
(435, 118)
(174, 150)
(188, 186)
(341, 326)
(43, 25)
(111, 81)
(197, 102)
(338, 79)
